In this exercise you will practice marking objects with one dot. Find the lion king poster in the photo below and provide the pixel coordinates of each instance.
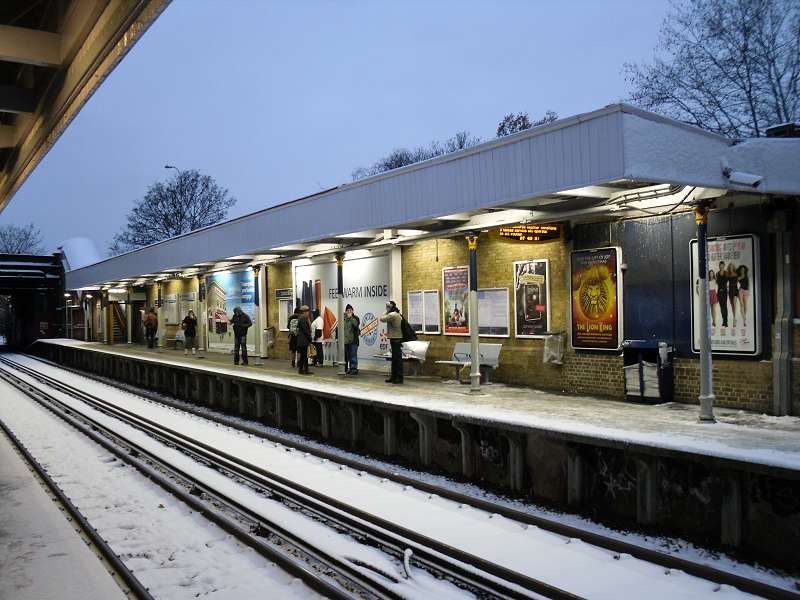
(596, 299)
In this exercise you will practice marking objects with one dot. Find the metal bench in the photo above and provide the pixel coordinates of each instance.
(173, 341)
(490, 359)
(414, 352)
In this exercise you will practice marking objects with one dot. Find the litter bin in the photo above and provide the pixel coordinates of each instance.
(648, 371)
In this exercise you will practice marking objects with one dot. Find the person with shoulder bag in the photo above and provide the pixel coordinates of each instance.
(352, 335)
(394, 331)
(317, 326)
(293, 334)
(303, 340)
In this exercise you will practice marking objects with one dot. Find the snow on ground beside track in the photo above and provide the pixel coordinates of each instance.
(173, 551)
(570, 564)
(423, 585)
(524, 407)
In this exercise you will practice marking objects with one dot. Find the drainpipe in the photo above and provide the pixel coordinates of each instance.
(784, 302)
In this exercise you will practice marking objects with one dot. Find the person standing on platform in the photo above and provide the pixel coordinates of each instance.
(352, 334)
(394, 331)
(241, 323)
(151, 327)
(303, 340)
(189, 325)
(317, 325)
(293, 321)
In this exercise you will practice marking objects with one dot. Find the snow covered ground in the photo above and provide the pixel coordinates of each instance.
(742, 436)
(569, 564)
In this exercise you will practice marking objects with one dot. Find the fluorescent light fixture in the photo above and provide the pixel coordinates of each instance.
(118, 290)
(355, 254)
(411, 232)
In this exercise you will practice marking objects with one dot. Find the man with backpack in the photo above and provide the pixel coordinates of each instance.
(394, 331)
(241, 323)
(293, 323)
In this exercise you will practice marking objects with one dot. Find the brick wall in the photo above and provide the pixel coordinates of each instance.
(171, 286)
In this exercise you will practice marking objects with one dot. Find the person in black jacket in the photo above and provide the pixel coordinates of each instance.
(241, 323)
(189, 325)
(293, 335)
(303, 340)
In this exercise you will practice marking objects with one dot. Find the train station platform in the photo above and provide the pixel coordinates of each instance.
(736, 481)
(41, 555)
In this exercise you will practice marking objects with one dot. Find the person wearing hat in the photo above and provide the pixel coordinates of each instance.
(352, 333)
(394, 331)
(303, 340)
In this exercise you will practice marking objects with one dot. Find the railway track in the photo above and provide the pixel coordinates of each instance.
(330, 575)
(620, 547)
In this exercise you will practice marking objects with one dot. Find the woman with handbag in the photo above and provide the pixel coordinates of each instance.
(317, 326)
(303, 340)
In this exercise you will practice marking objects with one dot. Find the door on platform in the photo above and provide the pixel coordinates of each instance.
(137, 328)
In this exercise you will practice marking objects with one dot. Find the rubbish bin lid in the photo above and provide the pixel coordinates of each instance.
(651, 344)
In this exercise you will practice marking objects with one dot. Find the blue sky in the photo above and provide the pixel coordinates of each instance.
(280, 99)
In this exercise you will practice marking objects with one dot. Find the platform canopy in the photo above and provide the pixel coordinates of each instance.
(53, 56)
(616, 160)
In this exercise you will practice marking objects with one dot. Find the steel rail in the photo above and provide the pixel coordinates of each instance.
(464, 568)
(371, 587)
(129, 582)
(662, 559)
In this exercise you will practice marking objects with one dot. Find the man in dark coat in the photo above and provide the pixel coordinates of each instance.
(303, 340)
(241, 323)
(151, 327)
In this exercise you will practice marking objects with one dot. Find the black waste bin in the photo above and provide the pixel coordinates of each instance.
(648, 371)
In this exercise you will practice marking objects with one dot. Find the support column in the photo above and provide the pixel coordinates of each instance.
(279, 416)
(212, 391)
(258, 324)
(260, 402)
(782, 350)
(242, 397)
(202, 330)
(301, 419)
(355, 423)
(467, 448)
(129, 316)
(340, 313)
(706, 376)
(474, 326)
(516, 460)
(575, 477)
(103, 315)
(261, 283)
(646, 490)
(389, 434)
(324, 418)
(162, 328)
(731, 527)
(226, 393)
(427, 433)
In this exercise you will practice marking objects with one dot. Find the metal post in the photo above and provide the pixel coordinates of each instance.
(474, 340)
(340, 312)
(782, 350)
(103, 315)
(66, 303)
(262, 292)
(86, 318)
(160, 314)
(257, 302)
(706, 376)
(202, 317)
(129, 316)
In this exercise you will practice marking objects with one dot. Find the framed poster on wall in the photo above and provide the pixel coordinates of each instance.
(225, 291)
(422, 311)
(531, 298)
(734, 290)
(455, 300)
(493, 309)
(596, 299)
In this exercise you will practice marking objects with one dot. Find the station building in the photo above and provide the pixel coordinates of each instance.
(586, 252)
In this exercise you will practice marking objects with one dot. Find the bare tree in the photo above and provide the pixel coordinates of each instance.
(20, 240)
(729, 66)
(184, 203)
(513, 123)
(400, 157)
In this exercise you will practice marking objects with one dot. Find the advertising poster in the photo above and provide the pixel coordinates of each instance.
(596, 299)
(493, 311)
(455, 300)
(366, 287)
(531, 298)
(734, 295)
(224, 292)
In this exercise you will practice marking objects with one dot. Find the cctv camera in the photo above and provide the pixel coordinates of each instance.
(740, 178)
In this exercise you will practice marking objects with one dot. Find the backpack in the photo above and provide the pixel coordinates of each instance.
(409, 335)
(293, 326)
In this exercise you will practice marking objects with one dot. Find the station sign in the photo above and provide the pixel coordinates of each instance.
(284, 294)
(530, 233)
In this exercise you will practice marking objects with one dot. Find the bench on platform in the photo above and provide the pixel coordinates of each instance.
(462, 357)
(173, 341)
(413, 352)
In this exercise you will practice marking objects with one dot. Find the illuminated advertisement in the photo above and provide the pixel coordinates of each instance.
(224, 292)
(455, 300)
(733, 295)
(596, 299)
(531, 298)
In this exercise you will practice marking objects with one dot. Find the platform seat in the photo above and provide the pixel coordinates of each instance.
(174, 341)
(413, 352)
(490, 359)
